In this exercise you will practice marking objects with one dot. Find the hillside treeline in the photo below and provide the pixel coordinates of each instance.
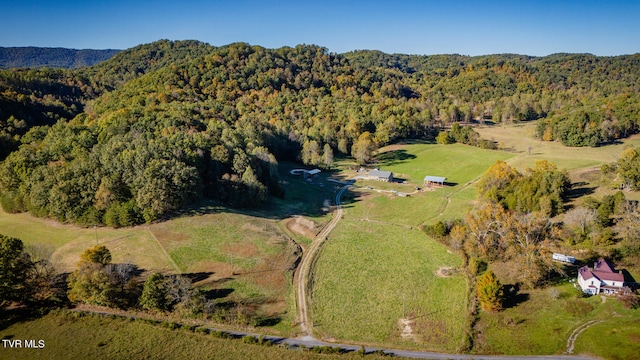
(36, 57)
(161, 125)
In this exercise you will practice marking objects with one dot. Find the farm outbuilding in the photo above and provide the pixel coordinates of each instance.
(312, 173)
(434, 180)
(381, 175)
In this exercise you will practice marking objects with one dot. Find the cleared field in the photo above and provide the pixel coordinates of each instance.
(457, 162)
(237, 257)
(519, 138)
(614, 338)
(378, 268)
(460, 164)
(370, 276)
(240, 241)
(63, 244)
(543, 323)
(247, 259)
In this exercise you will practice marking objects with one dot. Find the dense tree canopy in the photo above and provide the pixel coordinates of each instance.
(160, 125)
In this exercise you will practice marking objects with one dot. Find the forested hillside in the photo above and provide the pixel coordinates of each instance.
(35, 57)
(163, 124)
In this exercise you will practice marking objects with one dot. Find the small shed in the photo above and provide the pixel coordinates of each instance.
(381, 175)
(311, 173)
(434, 180)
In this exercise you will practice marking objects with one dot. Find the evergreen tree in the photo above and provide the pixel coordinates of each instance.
(490, 293)
(154, 293)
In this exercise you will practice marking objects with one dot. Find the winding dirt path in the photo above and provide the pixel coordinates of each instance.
(571, 342)
(304, 270)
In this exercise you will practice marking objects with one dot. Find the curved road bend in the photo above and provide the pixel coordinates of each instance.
(302, 281)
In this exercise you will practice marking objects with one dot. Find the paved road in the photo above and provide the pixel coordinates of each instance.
(309, 342)
(309, 256)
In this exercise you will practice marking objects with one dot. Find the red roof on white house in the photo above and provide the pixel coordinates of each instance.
(602, 270)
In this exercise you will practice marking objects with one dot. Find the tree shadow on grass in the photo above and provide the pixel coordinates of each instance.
(512, 296)
(580, 189)
(217, 293)
(12, 316)
(271, 320)
(198, 276)
(394, 157)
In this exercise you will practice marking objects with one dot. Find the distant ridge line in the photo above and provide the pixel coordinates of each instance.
(52, 57)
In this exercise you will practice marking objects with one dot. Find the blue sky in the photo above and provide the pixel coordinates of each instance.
(412, 27)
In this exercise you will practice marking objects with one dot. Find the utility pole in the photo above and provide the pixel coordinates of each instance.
(403, 307)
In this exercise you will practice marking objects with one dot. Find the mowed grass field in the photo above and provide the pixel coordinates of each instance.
(582, 163)
(369, 276)
(461, 164)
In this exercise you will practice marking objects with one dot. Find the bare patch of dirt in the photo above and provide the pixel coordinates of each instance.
(254, 228)
(302, 226)
(445, 272)
(271, 274)
(166, 235)
(243, 250)
(588, 175)
(406, 329)
(219, 273)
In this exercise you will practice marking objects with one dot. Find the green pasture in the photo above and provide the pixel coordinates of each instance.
(520, 138)
(368, 276)
(614, 338)
(63, 244)
(235, 239)
(460, 164)
(545, 318)
(248, 257)
(71, 336)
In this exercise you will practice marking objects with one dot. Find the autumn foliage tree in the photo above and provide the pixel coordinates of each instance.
(90, 283)
(363, 148)
(541, 188)
(495, 233)
(489, 291)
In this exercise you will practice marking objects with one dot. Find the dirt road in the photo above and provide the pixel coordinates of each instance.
(309, 256)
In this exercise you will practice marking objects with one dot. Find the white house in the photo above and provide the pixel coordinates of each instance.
(602, 278)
